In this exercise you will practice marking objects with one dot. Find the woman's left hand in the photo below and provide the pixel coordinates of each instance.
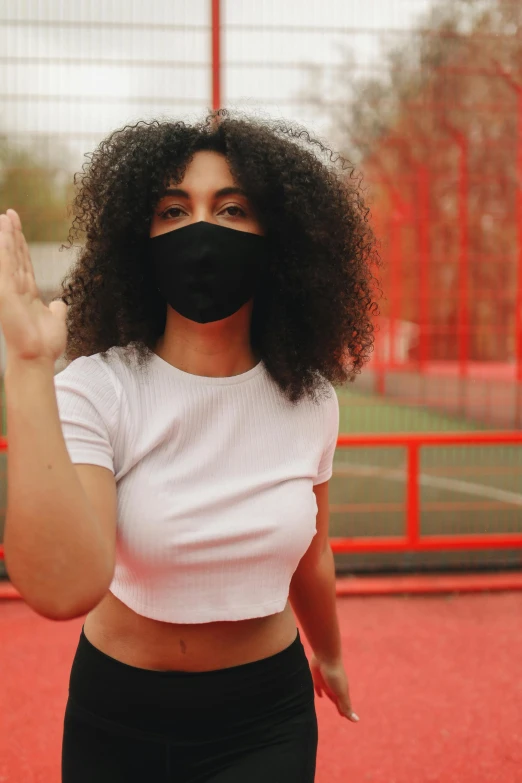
(331, 678)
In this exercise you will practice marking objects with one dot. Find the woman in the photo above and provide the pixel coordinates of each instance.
(178, 467)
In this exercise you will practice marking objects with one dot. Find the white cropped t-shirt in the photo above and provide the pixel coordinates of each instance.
(214, 479)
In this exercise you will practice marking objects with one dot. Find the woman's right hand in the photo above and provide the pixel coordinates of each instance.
(31, 329)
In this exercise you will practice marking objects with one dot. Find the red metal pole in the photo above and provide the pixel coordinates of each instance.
(403, 439)
(395, 277)
(463, 310)
(517, 87)
(412, 506)
(463, 322)
(423, 199)
(384, 229)
(422, 219)
(400, 212)
(444, 543)
(518, 295)
(216, 54)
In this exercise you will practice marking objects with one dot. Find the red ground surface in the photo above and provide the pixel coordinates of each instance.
(436, 681)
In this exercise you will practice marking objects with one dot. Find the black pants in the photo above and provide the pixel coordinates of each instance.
(253, 723)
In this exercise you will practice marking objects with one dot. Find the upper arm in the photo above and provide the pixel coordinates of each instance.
(89, 404)
(99, 486)
(331, 434)
(319, 544)
(320, 540)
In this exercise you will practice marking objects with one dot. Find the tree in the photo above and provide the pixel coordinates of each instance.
(33, 182)
(443, 104)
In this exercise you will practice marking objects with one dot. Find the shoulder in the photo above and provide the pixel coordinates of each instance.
(319, 410)
(95, 378)
(328, 396)
(87, 369)
(325, 401)
(329, 402)
(109, 369)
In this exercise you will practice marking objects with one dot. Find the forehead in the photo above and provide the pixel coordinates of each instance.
(207, 170)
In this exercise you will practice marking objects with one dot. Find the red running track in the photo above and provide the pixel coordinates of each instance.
(435, 679)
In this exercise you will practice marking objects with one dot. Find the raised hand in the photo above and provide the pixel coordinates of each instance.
(31, 329)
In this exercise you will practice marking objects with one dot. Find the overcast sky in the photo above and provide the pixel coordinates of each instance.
(80, 68)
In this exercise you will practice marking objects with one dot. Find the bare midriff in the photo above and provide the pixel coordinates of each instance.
(121, 633)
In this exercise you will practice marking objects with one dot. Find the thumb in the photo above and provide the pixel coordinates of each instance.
(59, 309)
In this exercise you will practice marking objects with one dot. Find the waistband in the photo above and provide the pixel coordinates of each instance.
(115, 691)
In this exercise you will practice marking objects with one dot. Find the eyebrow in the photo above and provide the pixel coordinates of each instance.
(229, 191)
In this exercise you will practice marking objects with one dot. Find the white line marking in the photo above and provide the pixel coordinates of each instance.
(454, 485)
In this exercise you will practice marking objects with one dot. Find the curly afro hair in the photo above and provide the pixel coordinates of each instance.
(312, 318)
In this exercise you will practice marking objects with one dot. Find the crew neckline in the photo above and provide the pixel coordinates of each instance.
(207, 380)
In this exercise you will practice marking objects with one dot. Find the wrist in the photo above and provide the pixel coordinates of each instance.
(25, 372)
(328, 659)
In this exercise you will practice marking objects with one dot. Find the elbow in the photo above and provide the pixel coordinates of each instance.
(58, 601)
(62, 588)
(62, 608)
(56, 612)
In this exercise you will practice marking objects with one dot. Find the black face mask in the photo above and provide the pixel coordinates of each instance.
(207, 272)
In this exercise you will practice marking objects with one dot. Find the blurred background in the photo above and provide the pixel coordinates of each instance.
(425, 97)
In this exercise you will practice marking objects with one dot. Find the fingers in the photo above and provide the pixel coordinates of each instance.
(16, 262)
(20, 242)
(344, 708)
(337, 691)
(14, 218)
(317, 678)
(344, 705)
(59, 309)
(324, 687)
(9, 263)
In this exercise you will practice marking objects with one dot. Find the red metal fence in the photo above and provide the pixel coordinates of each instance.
(412, 539)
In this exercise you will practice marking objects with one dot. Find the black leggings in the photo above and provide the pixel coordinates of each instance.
(255, 722)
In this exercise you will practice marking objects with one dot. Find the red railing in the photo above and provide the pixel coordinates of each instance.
(413, 541)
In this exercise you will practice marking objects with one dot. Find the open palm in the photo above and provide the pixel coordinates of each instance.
(31, 329)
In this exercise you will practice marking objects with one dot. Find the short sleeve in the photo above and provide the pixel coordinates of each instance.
(88, 407)
(331, 433)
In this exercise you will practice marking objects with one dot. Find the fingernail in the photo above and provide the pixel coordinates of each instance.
(354, 717)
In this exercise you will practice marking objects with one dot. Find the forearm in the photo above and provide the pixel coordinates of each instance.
(55, 552)
(312, 595)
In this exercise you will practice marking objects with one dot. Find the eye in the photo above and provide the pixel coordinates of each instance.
(172, 212)
(233, 210)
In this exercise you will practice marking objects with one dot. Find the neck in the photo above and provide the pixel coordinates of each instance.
(216, 350)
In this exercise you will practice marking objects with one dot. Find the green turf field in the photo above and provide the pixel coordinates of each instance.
(369, 413)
